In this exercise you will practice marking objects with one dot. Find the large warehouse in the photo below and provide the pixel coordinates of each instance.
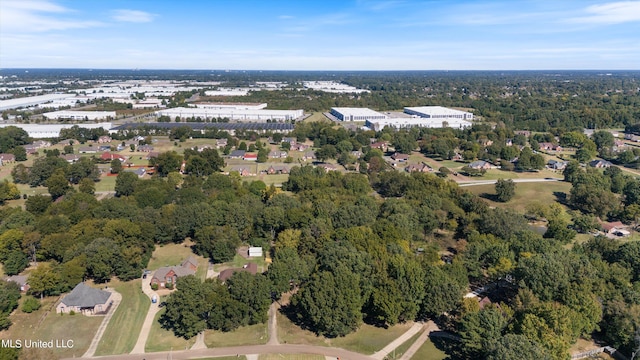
(356, 114)
(52, 131)
(232, 114)
(404, 123)
(239, 106)
(80, 115)
(438, 112)
(31, 101)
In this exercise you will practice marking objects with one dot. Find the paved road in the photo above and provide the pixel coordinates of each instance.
(490, 182)
(428, 328)
(116, 297)
(242, 350)
(397, 342)
(148, 321)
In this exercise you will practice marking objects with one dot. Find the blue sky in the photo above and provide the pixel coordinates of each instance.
(321, 35)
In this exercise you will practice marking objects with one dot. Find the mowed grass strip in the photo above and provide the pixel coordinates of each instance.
(245, 335)
(428, 351)
(124, 327)
(526, 193)
(366, 340)
(164, 340)
(400, 350)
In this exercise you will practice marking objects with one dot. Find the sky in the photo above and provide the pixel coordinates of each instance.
(321, 34)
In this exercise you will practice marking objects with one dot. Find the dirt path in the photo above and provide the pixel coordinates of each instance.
(148, 321)
(116, 297)
(273, 325)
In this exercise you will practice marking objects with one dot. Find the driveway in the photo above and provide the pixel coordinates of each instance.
(148, 321)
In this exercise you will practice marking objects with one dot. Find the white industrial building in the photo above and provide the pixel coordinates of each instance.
(405, 123)
(228, 92)
(232, 114)
(31, 101)
(79, 115)
(332, 87)
(53, 130)
(438, 112)
(238, 106)
(356, 114)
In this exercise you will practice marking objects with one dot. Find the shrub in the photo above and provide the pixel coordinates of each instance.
(154, 287)
(72, 312)
(30, 304)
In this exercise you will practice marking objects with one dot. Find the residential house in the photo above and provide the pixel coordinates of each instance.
(70, 158)
(547, 146)
(251, 268)
(357, 154)
(7, 158)
(457, 157)
(277, 154)
(21, 280)
(290, 140)
(220, 143)
(167, 276)
(299, 147)
(276, 169)
(138, 171)
(600, 164)
(104, 148)
(255, 251)
(418, 168)
(480, 164)
(309, 155)
(237, 154)
(85, 300)
(400, 157)
(153, 154)
(382, 145)
(30, 149)
(39, 144)
(557, 165)
(250, 157)
(485, 142)
(145, 148)
(104, 139)
(632, 137)
(87, 150)
(243, 170)
(108, 156)
(327, 167)
(615, 229)
(619, 146)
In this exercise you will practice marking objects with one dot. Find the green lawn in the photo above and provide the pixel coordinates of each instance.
(164, 340)
(241, 357)
(428, 351)
(366, 340)
(400, 350)
(121, 334)
(246, 335)
(173, 254)
(525, 194)
(317, 116)
(239, 261)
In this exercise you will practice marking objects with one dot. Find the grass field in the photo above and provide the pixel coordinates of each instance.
(78, 328)
(172, 254)
(428, 351)
(366, 340)
(241, 357)
(400, 350)
(246, 335)
(129, 315)
(239, 261)
(317, 116)
(164, 340)
(525, 194)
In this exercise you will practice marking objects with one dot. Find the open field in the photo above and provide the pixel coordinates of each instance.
(317, 116)
(366, 340)
(239, 261)
(164, 340)
(240, 357)
(428, 351)
(245, 335)
(129, 315)
(172, 254)
(525, 194)
(44, 324)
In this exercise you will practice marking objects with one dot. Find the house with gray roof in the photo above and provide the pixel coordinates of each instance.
(168, 276)
(85, 300)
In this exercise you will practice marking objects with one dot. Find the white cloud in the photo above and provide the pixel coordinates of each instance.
(285, 17)
(136, 16)
(610, 13)
(38, 16)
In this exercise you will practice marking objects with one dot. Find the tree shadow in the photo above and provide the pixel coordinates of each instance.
(491, 197)
(561, 197)
(448, 346)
